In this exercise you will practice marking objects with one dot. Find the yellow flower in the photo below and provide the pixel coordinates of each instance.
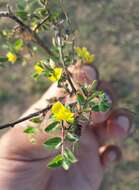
(56, 74)
(89, 58)
(38, 69)
(61, 113)
(85, 54)
(11, 57)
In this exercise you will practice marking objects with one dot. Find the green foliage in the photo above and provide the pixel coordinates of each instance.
(53, 143)
(72, 137)
(36, 120)
(56, 162)
(31, 130)
(18, 44)
(80, 99)
(52, 127)
(3, 59)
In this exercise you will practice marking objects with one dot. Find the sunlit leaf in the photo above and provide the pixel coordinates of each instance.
(53, 143)
(68, 154)
(80, 99)
(36, 120)
(18, 44)
(72, 137)
(56, 162)
(52, 127)
(31, 130)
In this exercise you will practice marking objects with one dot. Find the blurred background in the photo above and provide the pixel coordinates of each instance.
(110, 29)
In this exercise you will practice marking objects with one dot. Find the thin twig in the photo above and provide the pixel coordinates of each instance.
(64, 66)
(37, 39)
(62, 137)
(41, 23)
(12, 124)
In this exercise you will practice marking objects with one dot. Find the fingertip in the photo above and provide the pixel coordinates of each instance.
(84, 73)
(110, 154)
(119, 123)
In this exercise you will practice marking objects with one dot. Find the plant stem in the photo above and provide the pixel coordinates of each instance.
(41, 23)
(12, 124)
(62, 136)
(64, 67)
(25, 27)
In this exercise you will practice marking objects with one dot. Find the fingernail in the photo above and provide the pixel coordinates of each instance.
(124, 123)
(112, 155)
(84, 74)
(123, 118)
(90, 73)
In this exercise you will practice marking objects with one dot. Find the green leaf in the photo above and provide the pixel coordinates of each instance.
(56, 162)
(21, 4)
(3, 59)
(104, 106)
(52, 127)
(66, 164)
(35, 76)
(72, 137)
(22, 14)
(31, 130)
(18, 44)
(36, 120)
(53, 143)
(80, 99)
(68, 154)
(95, 108)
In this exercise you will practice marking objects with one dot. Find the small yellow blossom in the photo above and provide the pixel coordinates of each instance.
(61, 113)
(38, 69)
(85, 54)
(11, 57)
(56, 74)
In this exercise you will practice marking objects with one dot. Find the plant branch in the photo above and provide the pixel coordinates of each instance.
(64, 66)
(12, 124)
(41, 23)
(38, 41)
(62, 137)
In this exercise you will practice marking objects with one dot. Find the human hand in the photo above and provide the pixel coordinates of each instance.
(23, 166)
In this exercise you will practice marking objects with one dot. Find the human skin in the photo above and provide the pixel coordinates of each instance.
(23, 166)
